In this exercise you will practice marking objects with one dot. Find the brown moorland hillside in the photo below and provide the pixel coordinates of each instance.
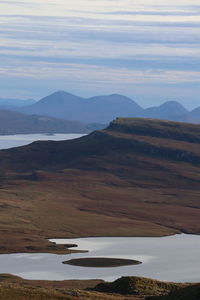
(138, 177)
(124, 288)
(191, 292)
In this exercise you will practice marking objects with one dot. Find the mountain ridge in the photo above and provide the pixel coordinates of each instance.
(170, 110)
(130, 135)
(105, 108)
(68, 106)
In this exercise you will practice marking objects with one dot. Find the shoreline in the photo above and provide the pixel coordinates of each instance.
(134, 249)
(60, 249)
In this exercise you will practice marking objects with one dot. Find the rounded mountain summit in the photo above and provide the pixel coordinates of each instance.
(99, 109)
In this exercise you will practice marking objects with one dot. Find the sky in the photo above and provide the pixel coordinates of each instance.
(148, 50)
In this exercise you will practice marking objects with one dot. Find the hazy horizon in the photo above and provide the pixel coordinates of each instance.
(148, 51)
(148, 104)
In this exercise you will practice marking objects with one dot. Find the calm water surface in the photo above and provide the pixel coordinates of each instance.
(175, 258)
(9, 141)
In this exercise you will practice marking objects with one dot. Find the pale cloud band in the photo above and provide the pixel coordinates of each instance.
(87, 46)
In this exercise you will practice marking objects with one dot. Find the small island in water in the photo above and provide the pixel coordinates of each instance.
(101, 262)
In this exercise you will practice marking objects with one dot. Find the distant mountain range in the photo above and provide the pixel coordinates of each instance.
(12, 122)
(103, 109)
(62, 112)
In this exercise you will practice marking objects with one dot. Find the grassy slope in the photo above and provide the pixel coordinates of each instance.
(138, 286)
(129, 288)
(137, 178)
(133, 288)
(16, 288)
(21, 293)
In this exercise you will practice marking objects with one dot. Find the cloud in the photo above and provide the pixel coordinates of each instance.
(98, 44)
(98, 74)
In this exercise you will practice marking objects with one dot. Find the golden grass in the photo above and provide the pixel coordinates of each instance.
(10, 292)
(129, 288)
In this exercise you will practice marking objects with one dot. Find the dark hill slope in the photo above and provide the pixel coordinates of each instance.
(188, 293)
(156, 128)
(137, 177)
(150, 139)
(151, 289)
(139, 286)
